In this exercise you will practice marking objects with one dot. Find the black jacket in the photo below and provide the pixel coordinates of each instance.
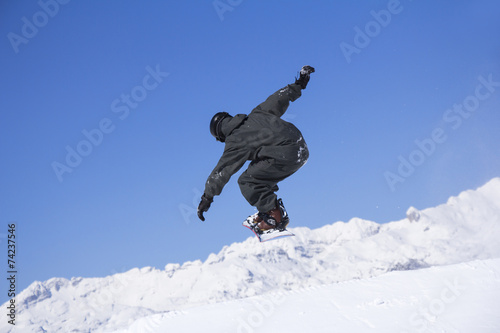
(260, 135)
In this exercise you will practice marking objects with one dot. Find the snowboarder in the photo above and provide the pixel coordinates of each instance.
(275, 148)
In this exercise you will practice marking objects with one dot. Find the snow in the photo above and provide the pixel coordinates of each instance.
(434, 271)
(437, 299)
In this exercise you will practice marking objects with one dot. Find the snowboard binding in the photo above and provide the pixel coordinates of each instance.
(276, 218)
(265, 225)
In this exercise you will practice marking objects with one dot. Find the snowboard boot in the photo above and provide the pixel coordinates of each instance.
(304, 76)
(276, 218)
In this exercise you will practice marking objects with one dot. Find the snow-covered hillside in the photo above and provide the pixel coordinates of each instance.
(466, 228)
(457, 298)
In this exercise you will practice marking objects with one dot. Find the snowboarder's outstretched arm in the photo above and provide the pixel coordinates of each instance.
(230, 162)
(278, 102)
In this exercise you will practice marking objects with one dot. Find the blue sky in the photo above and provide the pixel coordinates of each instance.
(403, 110)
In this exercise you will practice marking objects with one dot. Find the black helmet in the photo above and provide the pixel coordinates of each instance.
(215, 125)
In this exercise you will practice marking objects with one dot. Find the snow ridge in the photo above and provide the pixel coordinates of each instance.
(466, 228)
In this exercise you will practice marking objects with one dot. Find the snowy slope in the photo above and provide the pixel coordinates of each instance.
(458, 298)
(466, 228)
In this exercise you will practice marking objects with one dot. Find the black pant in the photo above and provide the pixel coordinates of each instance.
(259, 182)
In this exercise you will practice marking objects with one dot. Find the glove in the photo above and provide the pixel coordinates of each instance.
(304, 76)
(307, 70)
(204, 206)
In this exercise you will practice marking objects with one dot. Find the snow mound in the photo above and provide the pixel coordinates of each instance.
(457, 298)
(466, 228)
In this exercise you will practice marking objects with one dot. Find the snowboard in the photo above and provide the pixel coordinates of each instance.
(265, 235)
